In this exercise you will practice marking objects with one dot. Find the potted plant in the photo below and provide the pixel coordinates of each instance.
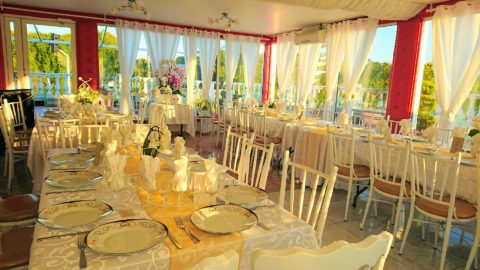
(203, 106)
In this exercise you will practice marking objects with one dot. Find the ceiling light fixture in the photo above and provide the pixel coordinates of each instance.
(225, 18)
(131, 5)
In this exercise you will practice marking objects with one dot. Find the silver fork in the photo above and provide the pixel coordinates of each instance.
(82, 245)
(181, 225)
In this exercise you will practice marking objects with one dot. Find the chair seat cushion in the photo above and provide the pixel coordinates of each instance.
(463, 209)
(359, 171)
(19, 208)
(16, 244)
(268, 140)
(390, 188)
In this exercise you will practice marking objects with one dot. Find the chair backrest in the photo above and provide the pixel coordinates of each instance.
(313, 113)
(366, 119)
(142, 112)
(388, 162)
(258, 122)
(257, 164)
(444, 135)
(47, 132)
(318, 200)
(369, 253)
(244, 121)
(341, 147)
(235, 151)
(434, 179)
(393, 125)
(14, 112)
(232, 116)
(5, 129)
(226, 261)
(72, 134)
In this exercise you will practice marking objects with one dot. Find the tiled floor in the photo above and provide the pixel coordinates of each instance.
(418, 254)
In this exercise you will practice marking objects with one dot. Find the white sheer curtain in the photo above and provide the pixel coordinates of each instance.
(456, 56)
(190, 49)
(128, 35)
(308, 55)
(208, 45)
(162, 44)
(335, 53)
(359, 36)
(232, 54)
(250, 52)
(286, 54)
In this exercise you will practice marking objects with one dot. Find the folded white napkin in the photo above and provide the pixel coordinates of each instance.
(141, 132)
(342, 118)
(179, 147)
(211, 177)
(382, 125)
(181, 177)
(127, 132)
(109, 149)
(149, 167)
(431, 133)
(405, 127)
(165, 138)
(114, 172)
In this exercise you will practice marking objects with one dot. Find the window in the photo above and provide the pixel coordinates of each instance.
(374, 83)
(425, 106)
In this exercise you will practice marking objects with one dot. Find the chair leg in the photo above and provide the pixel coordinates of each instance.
(375, 209)
(10, 169)
(473, 251)
(437, 228)
(423, 231)
(407, 229)
(398, 211)
(347, 202)
(367, 208)
(446, 237)
(5, 169)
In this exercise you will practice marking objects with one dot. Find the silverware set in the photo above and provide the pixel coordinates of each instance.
(181, 225)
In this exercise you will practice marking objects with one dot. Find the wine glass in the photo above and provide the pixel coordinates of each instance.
(148, 187)
(179, 186)
(196, 185)
(164, 185)
(211, 185)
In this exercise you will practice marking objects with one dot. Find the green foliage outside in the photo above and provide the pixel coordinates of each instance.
(428, 104)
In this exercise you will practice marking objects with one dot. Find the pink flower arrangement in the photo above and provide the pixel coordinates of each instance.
(173, 77)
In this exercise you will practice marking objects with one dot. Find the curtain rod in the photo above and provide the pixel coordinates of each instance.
(59, 14)
(432, 9)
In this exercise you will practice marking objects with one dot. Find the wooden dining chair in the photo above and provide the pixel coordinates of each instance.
(310, 205)
(73, 135)
(434, 188)
(47, 132)
(15, 244)
(19, 210)
(219, 123)
(369, 253)
(256, 166)
(225, 261)
(341, 150)
(388, 173)
(235, 152)
(14, 112)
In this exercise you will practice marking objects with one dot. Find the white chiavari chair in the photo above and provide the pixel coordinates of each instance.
(235, 151)
(72, 135)
(369, 253)
(444, 136)
(243, 121)
(232, 118)
(434, 181)
(366, 119)
(142, 111)
(313, 113)
(257, 164)
(16, 150)
(476, 240)
(341, 147)
(226, 261)
(219, 123)
(318, 200)
(388, 172)
(47, 132)
(14, 112)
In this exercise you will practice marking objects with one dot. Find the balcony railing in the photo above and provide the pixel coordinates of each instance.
(46, 86)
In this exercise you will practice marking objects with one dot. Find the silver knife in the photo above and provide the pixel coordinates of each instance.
(60, 235)
(174, 241)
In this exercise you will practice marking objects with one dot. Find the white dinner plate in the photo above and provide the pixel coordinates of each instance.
(126, 236)
(73, 179)
(243, 195)
(87, 147)
(71, 158)
(223, 219)
(73, 214)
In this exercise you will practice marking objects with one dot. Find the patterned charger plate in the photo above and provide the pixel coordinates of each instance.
(126, 236)
(243, 195)
(71, 158)
(224, 219)
(73, 214)
(73, 179)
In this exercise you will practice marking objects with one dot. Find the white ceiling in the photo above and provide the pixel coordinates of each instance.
(265, 17)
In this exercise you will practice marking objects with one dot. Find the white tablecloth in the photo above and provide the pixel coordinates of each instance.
(62, 253)
(175, 115)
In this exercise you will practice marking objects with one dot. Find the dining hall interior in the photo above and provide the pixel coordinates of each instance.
(240, 134)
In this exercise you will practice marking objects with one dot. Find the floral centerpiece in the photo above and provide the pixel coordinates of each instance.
(88, 102)
(171, 80)
(204, 106)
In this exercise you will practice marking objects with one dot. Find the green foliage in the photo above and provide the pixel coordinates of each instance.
(203, 104)
(428, 102)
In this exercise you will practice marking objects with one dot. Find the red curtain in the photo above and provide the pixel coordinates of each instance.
(87, 51)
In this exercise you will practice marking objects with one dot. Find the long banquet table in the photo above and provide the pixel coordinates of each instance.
(62, 252)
